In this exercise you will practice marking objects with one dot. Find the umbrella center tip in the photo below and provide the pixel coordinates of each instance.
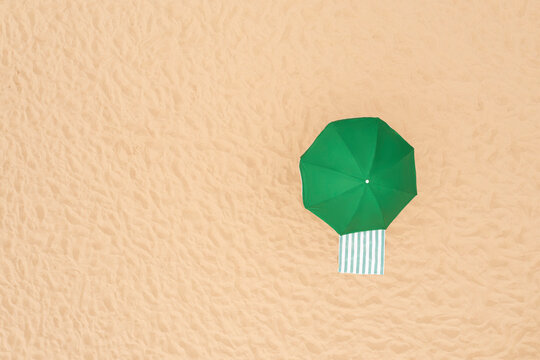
(367, 181)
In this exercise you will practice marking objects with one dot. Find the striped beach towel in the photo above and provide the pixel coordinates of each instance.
(362, 252)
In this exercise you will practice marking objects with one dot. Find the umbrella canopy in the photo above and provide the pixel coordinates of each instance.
(358, 175)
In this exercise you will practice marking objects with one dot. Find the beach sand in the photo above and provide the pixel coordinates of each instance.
(150, 196)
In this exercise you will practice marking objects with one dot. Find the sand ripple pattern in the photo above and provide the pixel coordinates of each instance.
(150, 200)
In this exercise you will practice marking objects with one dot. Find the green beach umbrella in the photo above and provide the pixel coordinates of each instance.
(358, 175)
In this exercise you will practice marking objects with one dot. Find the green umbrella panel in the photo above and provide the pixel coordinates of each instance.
(358, 175)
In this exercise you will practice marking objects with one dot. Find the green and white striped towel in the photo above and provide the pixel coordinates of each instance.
(362, 252)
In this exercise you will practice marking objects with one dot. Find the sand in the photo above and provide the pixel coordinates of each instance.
(150, 196)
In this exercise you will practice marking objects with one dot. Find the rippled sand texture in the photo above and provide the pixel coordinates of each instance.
(150, 201)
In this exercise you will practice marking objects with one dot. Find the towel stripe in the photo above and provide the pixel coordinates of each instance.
(349, 260)
(355, 252)
(368, 253)
(362, 252)
(382, 252)
(339, 257)
(341, 244)
(365, 253)
(373, 251)
(379, 244)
